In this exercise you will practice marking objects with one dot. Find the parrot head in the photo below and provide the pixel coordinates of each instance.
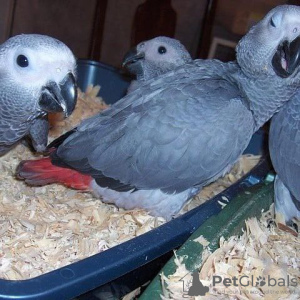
(276, 42)
(43, 69)
(155, 56)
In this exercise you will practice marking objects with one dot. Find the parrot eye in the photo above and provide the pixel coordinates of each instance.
(272, 23)
(162, 50)
(22, 61)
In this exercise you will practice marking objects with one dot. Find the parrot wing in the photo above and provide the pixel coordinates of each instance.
(172, 139)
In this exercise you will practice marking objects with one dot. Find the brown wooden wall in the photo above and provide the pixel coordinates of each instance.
(105, 30)
(101, 29)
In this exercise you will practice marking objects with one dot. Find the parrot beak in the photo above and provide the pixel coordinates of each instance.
(131, 57)
(287, 58)
(60, 97)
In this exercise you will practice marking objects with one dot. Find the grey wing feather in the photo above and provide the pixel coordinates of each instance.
(171, 139)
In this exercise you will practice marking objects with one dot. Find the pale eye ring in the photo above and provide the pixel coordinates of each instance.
(22, 61)
(295, 30)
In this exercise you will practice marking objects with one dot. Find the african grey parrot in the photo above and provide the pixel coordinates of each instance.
(37, 77)
(154, 57)
(284, 145)
(160, 144)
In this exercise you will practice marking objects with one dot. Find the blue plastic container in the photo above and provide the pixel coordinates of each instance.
(132, 263)
(112, 81)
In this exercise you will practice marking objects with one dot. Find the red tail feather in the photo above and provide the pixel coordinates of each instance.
(42, 172)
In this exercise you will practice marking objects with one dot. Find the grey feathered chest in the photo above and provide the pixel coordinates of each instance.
(18, 110)
(285, 144)
(264, 95)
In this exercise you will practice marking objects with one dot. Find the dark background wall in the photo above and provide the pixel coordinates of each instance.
(105, 29)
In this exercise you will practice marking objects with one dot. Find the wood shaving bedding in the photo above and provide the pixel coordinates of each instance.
(263, 251)
(45, 228)
(88, 104)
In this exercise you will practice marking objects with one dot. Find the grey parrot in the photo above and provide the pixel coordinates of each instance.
(37, 77)
(284, 145)
(154, 57)
(160, 144)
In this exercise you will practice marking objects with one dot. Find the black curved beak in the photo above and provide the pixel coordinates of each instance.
(287, 58)
(60, 97)
(131, 57)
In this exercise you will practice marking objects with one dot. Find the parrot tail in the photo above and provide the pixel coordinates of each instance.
(42, 172)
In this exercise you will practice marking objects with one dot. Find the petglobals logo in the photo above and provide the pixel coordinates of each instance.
(192, 285)
(260, 281)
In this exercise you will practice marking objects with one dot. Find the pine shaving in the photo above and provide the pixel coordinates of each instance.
(262, 251)
(88, 104)
(132, 295)
(202, 240)
(45, 228)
